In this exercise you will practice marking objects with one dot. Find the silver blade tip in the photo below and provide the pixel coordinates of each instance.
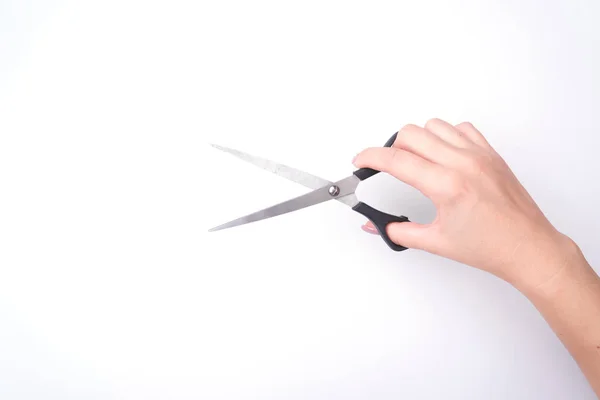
(226, 225)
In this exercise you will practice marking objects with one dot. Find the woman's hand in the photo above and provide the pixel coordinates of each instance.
(485, 218)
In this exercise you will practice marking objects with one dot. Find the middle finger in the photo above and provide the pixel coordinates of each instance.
(425, 144)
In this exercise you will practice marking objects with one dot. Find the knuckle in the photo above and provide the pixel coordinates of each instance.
(433, 122)
(475, 164)
(466, 125)
(408, 127)
(454, 183)
(454, 186)
(407, 133)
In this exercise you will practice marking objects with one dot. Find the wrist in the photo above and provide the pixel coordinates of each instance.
(550, 265)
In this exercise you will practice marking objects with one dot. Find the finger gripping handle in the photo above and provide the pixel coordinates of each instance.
(381, 221)
(364, 173)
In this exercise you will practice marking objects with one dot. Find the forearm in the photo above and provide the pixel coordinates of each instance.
(570, 302)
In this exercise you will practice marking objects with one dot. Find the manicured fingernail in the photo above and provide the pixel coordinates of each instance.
(369, 229)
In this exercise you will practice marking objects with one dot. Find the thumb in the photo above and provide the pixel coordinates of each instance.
(412, 235)
(407, 234)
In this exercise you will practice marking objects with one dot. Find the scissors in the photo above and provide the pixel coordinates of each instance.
(342, 191)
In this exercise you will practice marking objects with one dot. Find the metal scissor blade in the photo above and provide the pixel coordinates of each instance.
(295, 175)
(345, 187)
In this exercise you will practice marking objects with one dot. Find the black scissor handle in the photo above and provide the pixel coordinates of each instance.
(380, 219)
(364, 173)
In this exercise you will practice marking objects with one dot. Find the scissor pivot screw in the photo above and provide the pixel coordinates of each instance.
(334, 190)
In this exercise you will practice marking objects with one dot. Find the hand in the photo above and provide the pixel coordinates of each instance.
(485, 217)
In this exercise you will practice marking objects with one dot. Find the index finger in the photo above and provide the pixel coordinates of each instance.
(408, 167)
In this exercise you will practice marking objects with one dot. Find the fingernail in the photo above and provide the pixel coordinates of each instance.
(354, 159)
(369, 229)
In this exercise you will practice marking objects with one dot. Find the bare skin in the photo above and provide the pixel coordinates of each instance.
(473, 189)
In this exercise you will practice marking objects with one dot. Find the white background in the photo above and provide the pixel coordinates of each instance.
(110, 285)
